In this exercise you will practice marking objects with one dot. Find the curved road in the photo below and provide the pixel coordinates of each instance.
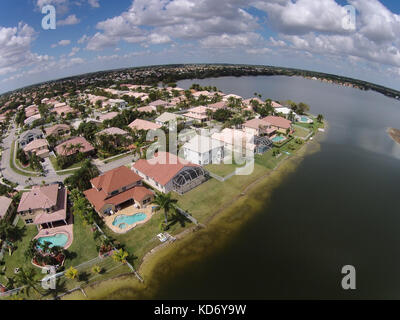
(51, 175)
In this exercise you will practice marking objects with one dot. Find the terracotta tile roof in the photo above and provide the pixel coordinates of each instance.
(276, 105)
(35, 144)
(115, 179)
(78, 140)
(60, 213)
(99, 198)
(4, 205)
(39, 197)
(256, 123)
(147, 109)
(140, 124)
(112, 131)
(108, 116)
(278, 122)
(170, 165)
(55, 128)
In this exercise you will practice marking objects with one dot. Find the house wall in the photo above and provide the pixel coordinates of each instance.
(215, 155)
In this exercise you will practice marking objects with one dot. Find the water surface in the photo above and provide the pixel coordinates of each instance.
(340, 207)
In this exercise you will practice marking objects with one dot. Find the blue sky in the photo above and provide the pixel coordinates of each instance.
(103, 34)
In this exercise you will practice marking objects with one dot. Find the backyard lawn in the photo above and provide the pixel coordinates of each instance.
(57, 168)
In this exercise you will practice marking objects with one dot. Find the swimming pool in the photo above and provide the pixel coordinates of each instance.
(304, 119)
(123, 221)
(278, 139)
(59, 240)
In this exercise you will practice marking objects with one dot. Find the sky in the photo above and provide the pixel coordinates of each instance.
(92, 35)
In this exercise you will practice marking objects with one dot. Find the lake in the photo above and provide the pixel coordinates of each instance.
(338, 208)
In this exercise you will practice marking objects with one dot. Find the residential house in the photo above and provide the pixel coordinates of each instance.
(40, 147)
(58, 130)
(6, 207)
(44, 206)
(203, 150)
(166, 117)
(31, 110)
(118, 188)
(32, 119)
(148, 109)
(167, 172)
(259, 127)
(66, 148)
(279, 123)
(29, 136)
(140, 124)
(197, 114)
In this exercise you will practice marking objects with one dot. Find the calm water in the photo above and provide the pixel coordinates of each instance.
(340, 207)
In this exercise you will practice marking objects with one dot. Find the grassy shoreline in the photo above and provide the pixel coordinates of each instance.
(221, 225)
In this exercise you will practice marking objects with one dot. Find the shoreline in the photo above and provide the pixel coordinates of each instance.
(252, 197)
(394, 134)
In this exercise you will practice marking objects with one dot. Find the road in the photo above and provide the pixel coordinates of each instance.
(51, 175)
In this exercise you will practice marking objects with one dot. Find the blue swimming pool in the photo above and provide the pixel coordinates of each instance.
(304, 119)
(123, 221)
(59, 240)
(278, 139)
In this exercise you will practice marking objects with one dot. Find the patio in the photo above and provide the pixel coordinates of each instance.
(128, 211)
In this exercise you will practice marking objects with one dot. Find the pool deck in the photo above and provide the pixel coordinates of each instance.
(129, 211)
(68, 230)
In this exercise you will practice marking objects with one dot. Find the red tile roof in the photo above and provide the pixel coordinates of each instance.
(78, 140)
(167, 167)
(278, 122)
(115, 179)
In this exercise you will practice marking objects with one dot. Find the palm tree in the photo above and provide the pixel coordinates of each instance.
(71, 273)
(120, 256)
(96, 269)
(166, 202)
(27, 280)
(320, 118)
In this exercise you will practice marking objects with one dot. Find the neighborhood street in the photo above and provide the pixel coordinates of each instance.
(51, 176)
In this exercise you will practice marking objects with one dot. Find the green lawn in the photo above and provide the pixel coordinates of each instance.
(13, 167)
(301, 132)
(143, 238)
(74, 166)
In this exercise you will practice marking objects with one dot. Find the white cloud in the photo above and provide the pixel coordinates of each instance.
(74, 51)
(94, 3)
(61, 43)
(231, 41)
(70, 20)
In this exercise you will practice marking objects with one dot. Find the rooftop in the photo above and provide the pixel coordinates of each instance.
(140, 124)
(115, 179)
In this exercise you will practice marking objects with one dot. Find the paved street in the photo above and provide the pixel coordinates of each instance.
(51, 175)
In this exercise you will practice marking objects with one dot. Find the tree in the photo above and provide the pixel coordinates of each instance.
(26, 279)
(96, 269)
(320, 118)
(71, 273)
(165, 202)
(81, 178)
(120, 256)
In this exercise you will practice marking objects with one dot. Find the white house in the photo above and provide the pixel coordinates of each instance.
(203, 150)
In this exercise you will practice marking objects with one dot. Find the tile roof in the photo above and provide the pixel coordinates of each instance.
(170, 165)
(140, 124)
(78, 140)
(278, 122)
(112, 131)
(35, 144)
(115, 179)
(39, 197)
(60, 212)
(4, 205)
(55, 128)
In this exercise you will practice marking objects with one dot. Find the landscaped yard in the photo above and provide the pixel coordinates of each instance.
(14, 168)
(301, 132)
(57, 168)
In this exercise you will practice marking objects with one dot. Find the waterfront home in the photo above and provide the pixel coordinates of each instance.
(167, 172)
(58, 130)
(117, 189)
(203, 150)
(29, 136)
(140, 124)
(73, 146)
(284, 110)
(166, 117)
(258, 127)
(276, 105)
(279, 123)
(40, 147)
(44, 206)
(6, 207)
(197, 114)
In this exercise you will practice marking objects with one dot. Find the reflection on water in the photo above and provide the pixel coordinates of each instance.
(339, 207)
